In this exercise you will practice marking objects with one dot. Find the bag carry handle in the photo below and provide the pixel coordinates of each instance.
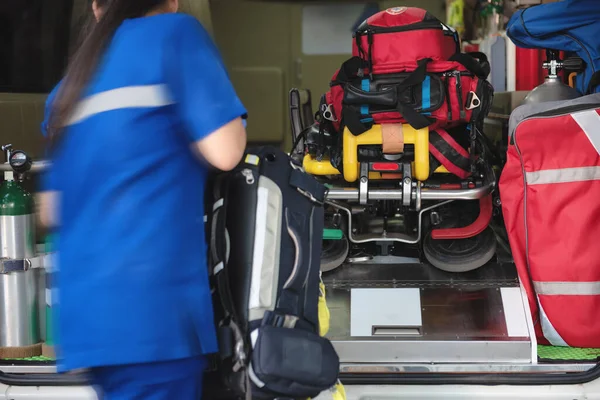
(476, 62)
(357, 97)
(218, 248)
(349, 69)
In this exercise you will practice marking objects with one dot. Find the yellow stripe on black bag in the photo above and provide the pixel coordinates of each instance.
(337, 392)
(324, 314)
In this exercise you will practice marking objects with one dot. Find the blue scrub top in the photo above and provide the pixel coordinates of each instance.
(132, 271)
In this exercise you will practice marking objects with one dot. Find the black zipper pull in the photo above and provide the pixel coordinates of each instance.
(461, 106)
(447, 94)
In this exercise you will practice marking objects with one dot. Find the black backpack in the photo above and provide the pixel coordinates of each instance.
(266, 226)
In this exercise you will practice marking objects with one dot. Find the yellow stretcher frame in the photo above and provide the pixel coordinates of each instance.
(417, 137)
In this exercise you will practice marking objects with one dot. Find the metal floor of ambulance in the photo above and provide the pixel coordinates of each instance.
(393, 314)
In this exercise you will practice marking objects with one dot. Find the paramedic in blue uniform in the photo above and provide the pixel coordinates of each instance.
(146, 108)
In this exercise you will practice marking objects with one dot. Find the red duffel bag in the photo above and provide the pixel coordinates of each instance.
(407, 68)
(396, 38)
(550, 192)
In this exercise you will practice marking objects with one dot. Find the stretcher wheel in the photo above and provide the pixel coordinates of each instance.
(460, 255)
(334, 253)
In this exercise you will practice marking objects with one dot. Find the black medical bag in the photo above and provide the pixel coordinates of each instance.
(266, 227)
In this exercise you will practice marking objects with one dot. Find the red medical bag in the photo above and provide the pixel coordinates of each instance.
(550, 191)
(407, 68)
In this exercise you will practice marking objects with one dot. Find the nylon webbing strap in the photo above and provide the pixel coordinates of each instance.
(352, 116)
(225, 295)
(411, 116)
(449, 153)
(433, 164)
(349, 69)
(288, 302)
(307, 185)
(9, 265)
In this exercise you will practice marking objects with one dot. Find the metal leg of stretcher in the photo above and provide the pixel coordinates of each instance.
(412, 313)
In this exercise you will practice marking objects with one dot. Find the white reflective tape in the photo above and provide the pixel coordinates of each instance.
(218, 203)
(254, 337)
(218, 268)
(567, 288)
(548, 329)
(150, 96)
(563, 175)
(254, 378)
(227, 245)
(260, 234)
(589, 122)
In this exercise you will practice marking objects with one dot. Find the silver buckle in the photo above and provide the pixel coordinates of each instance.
(296, 166)
(304, 192)
(311, 197)
(327, 112)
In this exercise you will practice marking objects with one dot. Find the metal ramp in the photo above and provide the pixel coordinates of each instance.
(414, 313)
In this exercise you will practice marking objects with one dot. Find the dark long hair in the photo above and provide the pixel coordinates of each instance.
(86, 58)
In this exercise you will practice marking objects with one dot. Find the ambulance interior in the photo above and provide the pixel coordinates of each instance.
(395, 317)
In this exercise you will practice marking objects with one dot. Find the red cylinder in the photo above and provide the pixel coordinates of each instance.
(528, 68)
(529, 71)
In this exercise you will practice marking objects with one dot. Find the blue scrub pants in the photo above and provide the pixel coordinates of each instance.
(169, 380)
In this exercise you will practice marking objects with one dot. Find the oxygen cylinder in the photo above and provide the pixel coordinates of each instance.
(553, 89)
(19, 325)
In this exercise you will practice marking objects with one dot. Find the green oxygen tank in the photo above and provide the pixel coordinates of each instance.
(19, 323)
(50, 246)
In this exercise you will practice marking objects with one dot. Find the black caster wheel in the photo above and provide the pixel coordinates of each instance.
(460, 255)
(334, 253)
